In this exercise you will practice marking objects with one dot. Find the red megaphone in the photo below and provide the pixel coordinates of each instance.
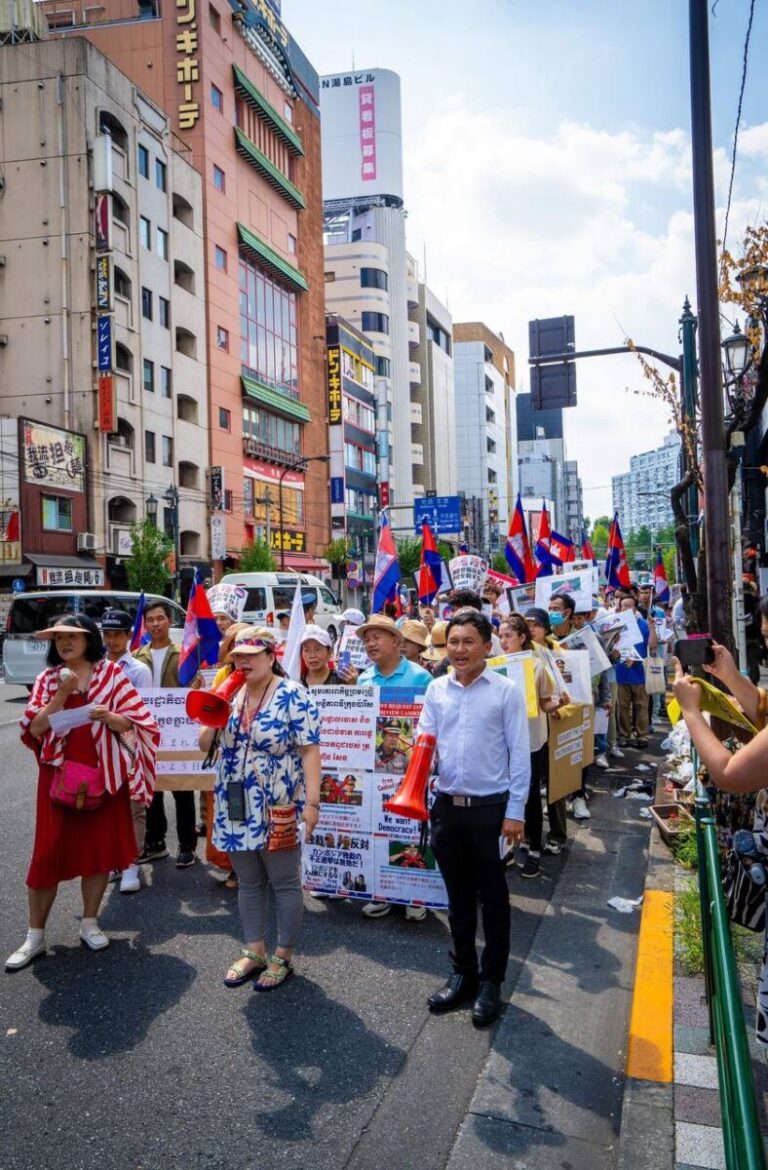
(211, 708)
(410, 800)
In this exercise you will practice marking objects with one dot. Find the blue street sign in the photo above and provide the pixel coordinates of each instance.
(104, 343)
(19, 585)
(337, 489)
(442, 513)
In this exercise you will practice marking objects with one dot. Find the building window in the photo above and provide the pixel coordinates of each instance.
(225, 419)
(167, 451)
(143, 162)
(487, 354)
(288, 112)
(164, 312)
(359, 414)
(382, 366)
(217, 97)
(330, 277)
(490, 416)
(220, 258)
(272, 430)
(490, 446)
(492, 476)
(489, 385)
(214, 19)
(145, 232)
(149, 376)
(357, 234)
(292, 244)
(374, 322)
(162, 243)
(161, 174)
(359, 459)
(146, 303)
(219, 179)
(222, 338)
(268, 329)
(149, 446)
(374, 278)
(122, 284)
(57, 513)
(165, 382)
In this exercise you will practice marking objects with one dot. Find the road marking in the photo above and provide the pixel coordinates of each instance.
(649, 1055)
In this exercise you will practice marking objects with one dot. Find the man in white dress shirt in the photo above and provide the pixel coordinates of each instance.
(484, 773)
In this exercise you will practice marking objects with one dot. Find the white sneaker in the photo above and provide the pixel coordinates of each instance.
(376, 909)
(92, 935)
(415, 913)
(28, 951)
(617, 753)
(580, 810)
(130, 882)
(601, 761)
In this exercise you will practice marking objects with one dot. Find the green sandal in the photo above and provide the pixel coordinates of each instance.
(259, 965)
(283, 972)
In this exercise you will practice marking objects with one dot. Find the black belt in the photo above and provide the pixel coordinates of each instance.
(459, 800)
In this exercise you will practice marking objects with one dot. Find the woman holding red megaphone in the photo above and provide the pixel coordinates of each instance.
(268, 777)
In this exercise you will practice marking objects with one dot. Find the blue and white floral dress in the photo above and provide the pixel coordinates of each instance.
(266, 758)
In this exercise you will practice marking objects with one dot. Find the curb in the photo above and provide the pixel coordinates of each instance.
(647, 1133)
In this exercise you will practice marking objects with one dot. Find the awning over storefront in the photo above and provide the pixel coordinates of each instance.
(10, 571)
(53, 561)
(59, 571)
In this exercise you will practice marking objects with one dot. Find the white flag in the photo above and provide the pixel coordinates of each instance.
(296, 627)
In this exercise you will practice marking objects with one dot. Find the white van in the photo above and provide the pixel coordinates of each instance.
(272, 593)
(24, 655)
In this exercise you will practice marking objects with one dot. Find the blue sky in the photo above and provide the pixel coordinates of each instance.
(547, 171)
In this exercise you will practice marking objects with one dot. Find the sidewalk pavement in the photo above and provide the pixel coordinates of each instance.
(674, 1122)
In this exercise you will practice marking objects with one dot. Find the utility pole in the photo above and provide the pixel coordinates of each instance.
(712, 434)
(688, 394)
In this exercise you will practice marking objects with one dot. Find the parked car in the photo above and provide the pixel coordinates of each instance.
(24, 655)
(272, 593)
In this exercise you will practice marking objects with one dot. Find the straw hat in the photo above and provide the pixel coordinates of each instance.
(379, 621)
(253, 640)
(436, 650)
(415, 631)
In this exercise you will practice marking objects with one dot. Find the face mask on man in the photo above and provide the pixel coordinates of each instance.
(556, 619)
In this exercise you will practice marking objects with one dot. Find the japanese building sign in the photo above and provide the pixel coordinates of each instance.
(76, 578)
(103, 284)
(107, 398)
(367, 133)
(103, 222)
(104, 343)
(347, 79)
(53, 458)
(187, 64)
(269, 17)
(334, 386)
(217, 489)
(290, 542)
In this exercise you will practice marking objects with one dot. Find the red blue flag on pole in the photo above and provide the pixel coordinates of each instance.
(660, 582)
(386, 573)
(561, 549)
(201, 637)
(616, 567)
(587, 552)
(139, 633)
(430, 569)
(517, 550)
(542, 558)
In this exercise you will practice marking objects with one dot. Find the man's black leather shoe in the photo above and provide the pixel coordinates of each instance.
(458, 990)
(487, 1006)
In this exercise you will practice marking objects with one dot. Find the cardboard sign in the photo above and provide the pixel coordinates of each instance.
(179, 760)
(582, 586)
(571, 749)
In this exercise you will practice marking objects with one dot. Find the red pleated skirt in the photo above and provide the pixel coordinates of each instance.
(71, 844)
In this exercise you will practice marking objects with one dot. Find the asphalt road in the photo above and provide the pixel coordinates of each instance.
(138, 1058)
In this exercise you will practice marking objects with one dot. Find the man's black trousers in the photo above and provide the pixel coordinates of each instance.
(465, 842)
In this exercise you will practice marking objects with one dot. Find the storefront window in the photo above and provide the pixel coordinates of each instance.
(268, 329)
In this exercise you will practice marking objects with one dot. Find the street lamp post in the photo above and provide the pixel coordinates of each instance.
(171, 496)
(297, 465)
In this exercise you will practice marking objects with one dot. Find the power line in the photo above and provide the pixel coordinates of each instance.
(738, 117)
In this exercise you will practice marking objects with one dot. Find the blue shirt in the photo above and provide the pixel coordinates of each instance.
(407, 674)
(482, 737)
(635, 674)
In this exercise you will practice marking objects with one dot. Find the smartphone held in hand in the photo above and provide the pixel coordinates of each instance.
(692, 652)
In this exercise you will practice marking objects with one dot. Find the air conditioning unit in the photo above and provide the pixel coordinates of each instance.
(86, 542)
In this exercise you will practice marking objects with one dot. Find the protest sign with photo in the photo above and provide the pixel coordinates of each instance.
(179, 760)
(468, 572)
(571, 748)
(347, 726)
(522, 597)
(351, 644)
(581, 585)
(573, 666)
(587, 639)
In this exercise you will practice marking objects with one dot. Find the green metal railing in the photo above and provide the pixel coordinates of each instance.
(741, 1128)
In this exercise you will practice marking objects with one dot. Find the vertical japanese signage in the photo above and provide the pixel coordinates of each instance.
(217, 489)
(334, 386)
(336, 441)
(367, 109)
(218, 538)
(104, 343)
(187, 64)
(104, 284)
(103, 224)
(107, 420)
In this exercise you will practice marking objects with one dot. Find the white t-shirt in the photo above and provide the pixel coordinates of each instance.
(158, 662)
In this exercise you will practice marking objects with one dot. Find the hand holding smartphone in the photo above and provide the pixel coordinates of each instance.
(693, 652)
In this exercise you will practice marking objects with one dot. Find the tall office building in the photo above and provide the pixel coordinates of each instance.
(242, 100)
(486, 432)
(433, 395)
(103, 370)
(641, 496)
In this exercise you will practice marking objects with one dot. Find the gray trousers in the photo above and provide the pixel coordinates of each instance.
(256, 871)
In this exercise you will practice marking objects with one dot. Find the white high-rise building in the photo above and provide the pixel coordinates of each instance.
(641, 496)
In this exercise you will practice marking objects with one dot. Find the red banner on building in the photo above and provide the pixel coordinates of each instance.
(107, 415)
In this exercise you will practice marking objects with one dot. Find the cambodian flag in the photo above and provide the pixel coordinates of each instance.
(587, 552)
(386, 573)
(660, 582)
(561, 548)
(139, 633)
(463, 548)
(616, 567)
(542, 557)
(201, 637)
(517, 550)
(430, 569)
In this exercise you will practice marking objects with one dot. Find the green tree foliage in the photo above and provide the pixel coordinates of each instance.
(600, 539)
(257, 558)
(408, 555)
(499, 564)
(338, 553)
(147, 567)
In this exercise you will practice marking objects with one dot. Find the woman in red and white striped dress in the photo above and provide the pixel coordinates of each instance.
(72, 842)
